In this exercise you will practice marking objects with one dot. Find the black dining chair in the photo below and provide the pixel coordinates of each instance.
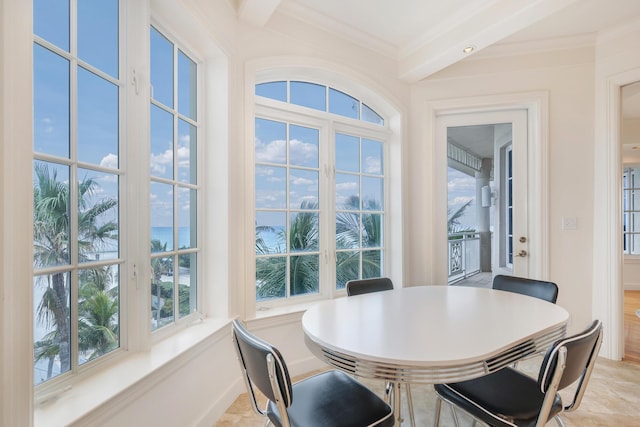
(331, 398)
(365, 286)
(542, 289)
(508, 397)
(378, 284)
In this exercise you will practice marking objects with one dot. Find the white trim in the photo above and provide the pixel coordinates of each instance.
(361, 87)
(16, 213)
(537, 106)
(608, 296)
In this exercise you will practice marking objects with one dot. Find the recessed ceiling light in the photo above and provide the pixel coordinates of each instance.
(468, 49)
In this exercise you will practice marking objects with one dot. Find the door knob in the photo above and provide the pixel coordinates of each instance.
(522, 253)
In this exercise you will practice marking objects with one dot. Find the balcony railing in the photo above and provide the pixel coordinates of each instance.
(464, 255)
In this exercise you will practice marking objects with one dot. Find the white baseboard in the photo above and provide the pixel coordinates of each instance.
(631, 286)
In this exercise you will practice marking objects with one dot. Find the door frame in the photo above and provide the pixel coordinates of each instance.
(608, 286)
(536, 106)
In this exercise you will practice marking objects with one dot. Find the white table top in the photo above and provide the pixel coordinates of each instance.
(429, 328)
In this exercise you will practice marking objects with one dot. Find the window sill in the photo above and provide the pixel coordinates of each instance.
(90, 394)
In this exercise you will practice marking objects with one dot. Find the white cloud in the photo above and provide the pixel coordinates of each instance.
(109, 161)
(301, 181)
(372, 165)
(272, 152)
(303, 152)
(160, 162)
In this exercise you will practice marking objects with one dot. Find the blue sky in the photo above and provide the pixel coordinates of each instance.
(98, 103)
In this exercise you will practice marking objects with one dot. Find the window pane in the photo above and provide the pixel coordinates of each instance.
(305, 273)
(270, 277)
(273, 90)
(98, 312)
(343, 104)
(51, 21)
(51, 217)
(303, 189)
(372, 231)
(187, 152)
(347, 191)
(187, 283)
(187, 218)
(97, 215)
(271, 232)
(52, 325)
(98, 34)
(347, 153)
(97, 120)
(309, 95)
(161, 217)
(187, 83)
(303, 234)
(368, 115)
(271, 187)
(347, 267)
(372, 191)
(162, 288)
(371, 157)
(348, 230)
(303, 146)
(371, 265)
(161, 68)
(270, 140)
(161, 143)
(50, 103)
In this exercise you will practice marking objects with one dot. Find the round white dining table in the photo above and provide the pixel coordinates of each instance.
(430, 334)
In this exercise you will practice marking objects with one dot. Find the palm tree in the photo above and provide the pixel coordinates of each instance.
(98, 308)
(51, 225)
(271, 272)
(453, 222)
(351, 235)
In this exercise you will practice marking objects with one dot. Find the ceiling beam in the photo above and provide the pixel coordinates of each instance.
(257, 12)
(489, 25)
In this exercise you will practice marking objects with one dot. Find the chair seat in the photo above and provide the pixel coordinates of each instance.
(514, 395)
(333, 399)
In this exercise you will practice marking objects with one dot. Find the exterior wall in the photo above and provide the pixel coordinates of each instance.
(567, 77)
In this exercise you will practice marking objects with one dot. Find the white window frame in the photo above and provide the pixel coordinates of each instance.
(134, 220)
(631, 205)
(389, 134)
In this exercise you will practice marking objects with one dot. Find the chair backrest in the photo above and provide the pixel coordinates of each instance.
(263, 366)
(571, 359)
(547, 291)
(365, 286)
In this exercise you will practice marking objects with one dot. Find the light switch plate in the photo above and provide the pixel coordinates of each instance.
(569, 223)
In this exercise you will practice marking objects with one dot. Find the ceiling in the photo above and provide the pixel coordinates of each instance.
(425, 36)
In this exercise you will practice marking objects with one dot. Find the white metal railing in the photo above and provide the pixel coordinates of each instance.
(464, 255)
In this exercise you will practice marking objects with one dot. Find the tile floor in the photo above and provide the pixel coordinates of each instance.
(612, 399)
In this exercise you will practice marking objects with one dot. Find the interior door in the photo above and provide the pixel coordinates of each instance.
(510, 220)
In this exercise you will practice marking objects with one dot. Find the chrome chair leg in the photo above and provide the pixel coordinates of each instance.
(436, 419)
(559, 421)
(455, 416)
(410, 404)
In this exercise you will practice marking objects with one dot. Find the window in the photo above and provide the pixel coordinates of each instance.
(319, 191)
(631, 210)
(174, 185)
(77, 184)
(85, 253)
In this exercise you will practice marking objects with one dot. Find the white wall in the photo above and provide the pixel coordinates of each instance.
(567, 77)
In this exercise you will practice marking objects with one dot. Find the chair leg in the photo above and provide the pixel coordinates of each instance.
(455, 416)
(436, 420)
(410, 403)
(559, 421)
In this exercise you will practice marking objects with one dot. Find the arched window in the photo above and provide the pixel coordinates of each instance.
(320, 190)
